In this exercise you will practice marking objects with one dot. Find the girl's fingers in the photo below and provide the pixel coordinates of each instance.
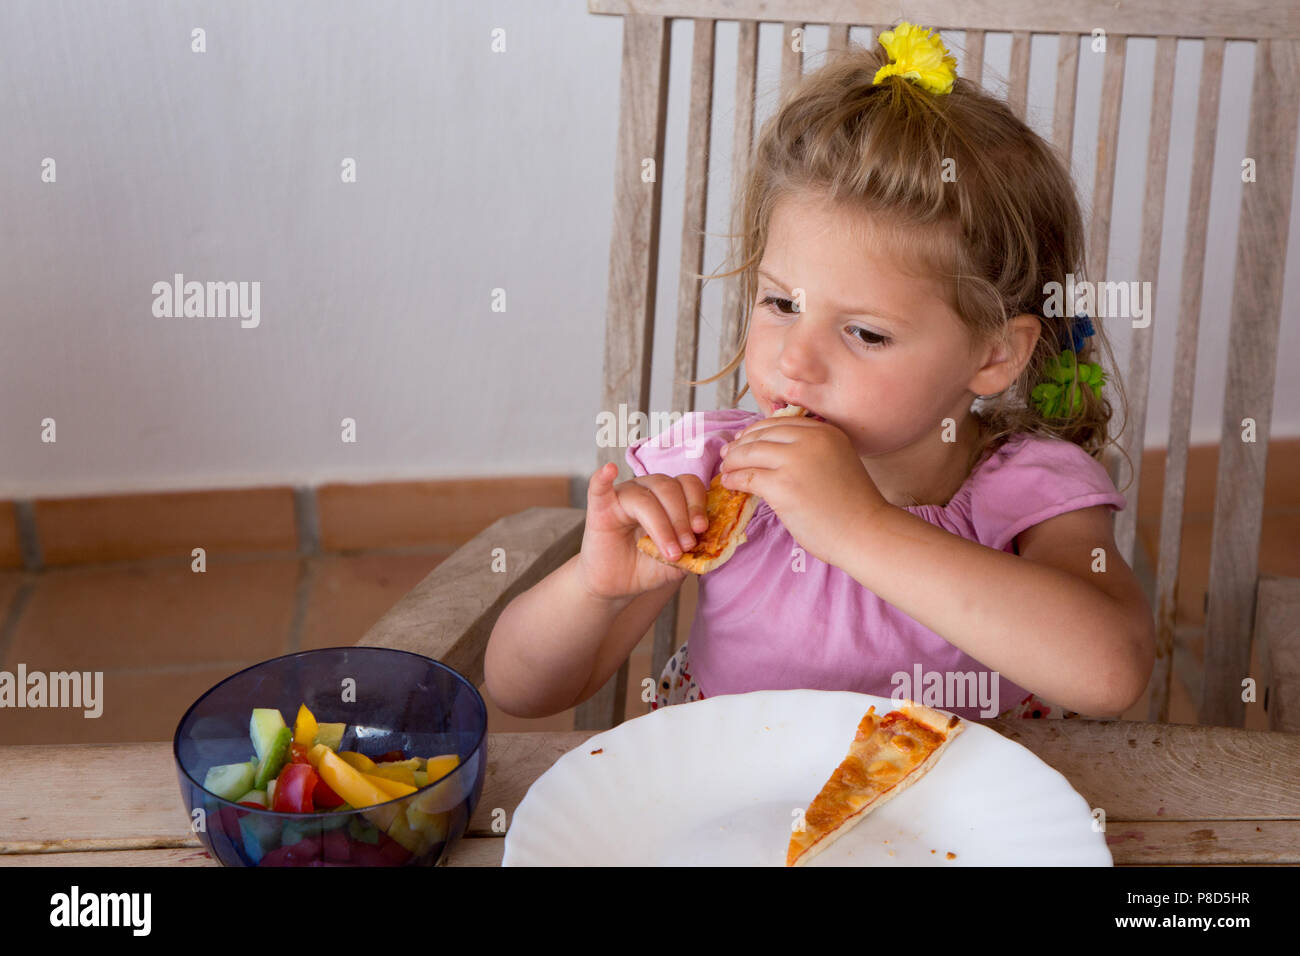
(672, 499)
(650, 513)
(697, 497)
(756, 453)
(604, 476)
(670, 510)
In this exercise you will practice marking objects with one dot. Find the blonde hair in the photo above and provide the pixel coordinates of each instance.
(995, 236)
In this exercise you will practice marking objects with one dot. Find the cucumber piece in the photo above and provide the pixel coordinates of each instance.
(260, 834)
(264, 728)
(274, 760)
(334, 822)
(255, 796)
(230, 780)
(362, 831)
(415, 763)
(421, 778)
(331, 735)
(295, 831)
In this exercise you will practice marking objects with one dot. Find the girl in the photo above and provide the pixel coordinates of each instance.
(901, 236)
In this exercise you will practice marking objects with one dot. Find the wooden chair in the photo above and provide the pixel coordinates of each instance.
(451, 613)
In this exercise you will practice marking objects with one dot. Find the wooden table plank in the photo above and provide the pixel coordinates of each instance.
(135, 802)
(1180, 786)
(1202, 842)
(1182, 843)
(1143, 771)
(470, 851)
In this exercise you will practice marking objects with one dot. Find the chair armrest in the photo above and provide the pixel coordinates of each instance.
(450, 614)
(1277, 638)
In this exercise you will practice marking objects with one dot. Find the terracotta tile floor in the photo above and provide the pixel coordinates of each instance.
(162, 634)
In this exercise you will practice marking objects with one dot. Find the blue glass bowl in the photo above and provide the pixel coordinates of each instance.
(398, 701)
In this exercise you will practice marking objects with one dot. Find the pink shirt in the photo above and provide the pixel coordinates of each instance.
(762, 625)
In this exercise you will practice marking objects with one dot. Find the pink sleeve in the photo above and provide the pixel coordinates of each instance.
(692, 445)
(1037, 479)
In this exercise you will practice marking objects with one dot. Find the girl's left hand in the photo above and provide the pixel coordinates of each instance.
(809, 474)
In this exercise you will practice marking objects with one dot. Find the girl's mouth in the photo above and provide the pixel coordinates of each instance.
(778, 404)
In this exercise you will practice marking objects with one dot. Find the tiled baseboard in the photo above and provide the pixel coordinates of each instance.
(51, 533)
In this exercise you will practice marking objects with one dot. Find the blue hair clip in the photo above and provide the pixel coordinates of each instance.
(1081, 329)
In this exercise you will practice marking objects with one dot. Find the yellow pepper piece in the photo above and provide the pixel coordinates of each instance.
(395, 788)
(433, 826)
(389, 772)
(441, 766)
(348, 782)
(441, 797)
(314, 755)
(304, 727)
(360, 761)
(410, 838)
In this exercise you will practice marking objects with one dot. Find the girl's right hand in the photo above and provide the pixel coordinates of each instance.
(610, 565)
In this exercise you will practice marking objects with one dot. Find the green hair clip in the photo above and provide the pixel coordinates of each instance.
(1058, 395)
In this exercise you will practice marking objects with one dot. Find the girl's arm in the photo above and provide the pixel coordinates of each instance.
(556, 644)
(1045, 620)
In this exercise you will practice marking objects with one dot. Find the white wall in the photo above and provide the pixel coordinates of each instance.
(476, 170)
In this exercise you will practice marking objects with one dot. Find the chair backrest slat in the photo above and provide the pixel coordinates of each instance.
(698, 130)
(838, 38)
(1138, 378)
(791, 58)
(633, 266)
(972, 65)
(687, 338)
(733, 310)
(1018, 84)
(1103, 188)
(1252, 369)
(634, 260)
(1067, 82)
(1186, 333)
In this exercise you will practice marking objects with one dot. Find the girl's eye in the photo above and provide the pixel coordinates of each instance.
(868, 338)
(873, 340)
(781, 304)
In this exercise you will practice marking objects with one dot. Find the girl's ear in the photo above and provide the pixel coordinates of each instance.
(1005, 360)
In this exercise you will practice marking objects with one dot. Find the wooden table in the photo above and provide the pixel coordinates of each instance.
(1173, 794)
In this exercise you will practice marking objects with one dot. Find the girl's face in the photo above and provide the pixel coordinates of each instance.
(876, 352)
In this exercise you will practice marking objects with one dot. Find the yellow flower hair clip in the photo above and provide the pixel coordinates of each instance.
(917, 55)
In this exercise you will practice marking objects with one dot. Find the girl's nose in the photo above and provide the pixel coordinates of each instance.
(802, 351)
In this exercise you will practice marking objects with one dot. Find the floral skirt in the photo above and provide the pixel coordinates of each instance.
(677, 686)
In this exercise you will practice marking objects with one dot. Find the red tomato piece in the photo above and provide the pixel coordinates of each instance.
(230, 822)
(298, 753)
(306, 852)
(293, 789)
(365, 854)
(323, 797)
(391, 852)
(334, 846)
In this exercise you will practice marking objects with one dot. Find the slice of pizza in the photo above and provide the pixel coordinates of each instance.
(728, 512)
(887, 756)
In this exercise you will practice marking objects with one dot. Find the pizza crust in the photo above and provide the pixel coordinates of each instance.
(729, 513)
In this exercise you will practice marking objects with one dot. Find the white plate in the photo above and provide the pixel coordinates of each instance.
(719, 781)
